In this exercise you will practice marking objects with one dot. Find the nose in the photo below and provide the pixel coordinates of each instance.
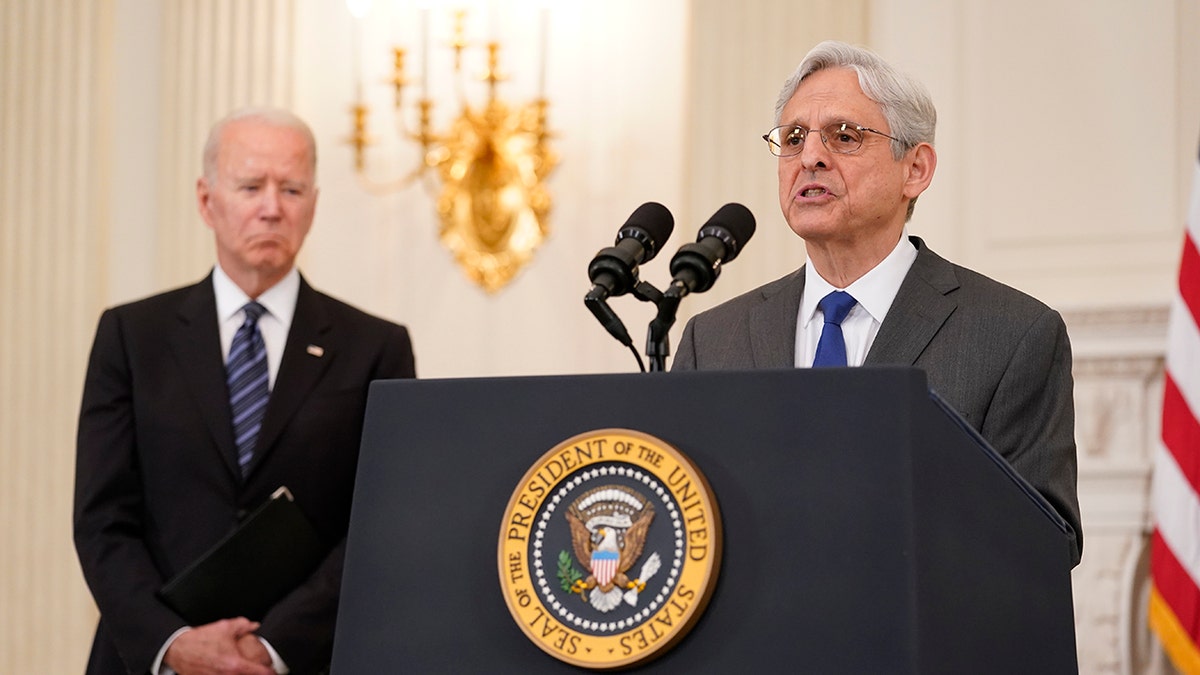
(271, 207)
(813, 155)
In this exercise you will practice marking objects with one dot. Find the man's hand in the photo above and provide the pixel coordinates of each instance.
(214, 649)
(252, 648)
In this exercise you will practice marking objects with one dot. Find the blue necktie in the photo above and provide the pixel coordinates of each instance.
(249, 389)
(831, 349)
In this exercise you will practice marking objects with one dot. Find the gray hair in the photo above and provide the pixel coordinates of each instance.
(276, 117)
(905, 103)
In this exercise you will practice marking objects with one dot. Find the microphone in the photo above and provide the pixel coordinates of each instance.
(696, 267)
(614, 271)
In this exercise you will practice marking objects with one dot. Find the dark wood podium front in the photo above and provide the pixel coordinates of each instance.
(866, 529)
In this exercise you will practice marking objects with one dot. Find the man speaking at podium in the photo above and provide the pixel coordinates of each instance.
(854, 139)
(201, 402)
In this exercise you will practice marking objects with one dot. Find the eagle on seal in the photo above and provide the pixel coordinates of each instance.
(608, 533)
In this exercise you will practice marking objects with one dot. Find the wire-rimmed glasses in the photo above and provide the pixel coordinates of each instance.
(841, 137)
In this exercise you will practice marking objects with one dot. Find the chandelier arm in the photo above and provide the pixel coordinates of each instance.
(380, 188)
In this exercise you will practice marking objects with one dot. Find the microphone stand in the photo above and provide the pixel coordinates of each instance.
(658, 344)
(594, 301)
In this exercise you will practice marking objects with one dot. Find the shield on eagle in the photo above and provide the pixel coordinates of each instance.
(604, 565)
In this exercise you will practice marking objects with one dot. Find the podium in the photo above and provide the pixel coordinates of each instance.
(867, 529)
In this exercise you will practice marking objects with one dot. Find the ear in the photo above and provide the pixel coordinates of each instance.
(203, 194)
(922, 160)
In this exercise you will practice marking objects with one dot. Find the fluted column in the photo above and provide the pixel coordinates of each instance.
(53, 62)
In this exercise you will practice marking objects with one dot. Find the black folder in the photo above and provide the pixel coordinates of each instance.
(269, 553)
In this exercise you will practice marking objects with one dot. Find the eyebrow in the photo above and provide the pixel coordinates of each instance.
(262, 178)
(822, 125)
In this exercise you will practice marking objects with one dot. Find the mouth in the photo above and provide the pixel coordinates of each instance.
(267, 238)
(813, 192)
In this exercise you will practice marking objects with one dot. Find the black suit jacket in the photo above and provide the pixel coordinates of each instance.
(999, 356)
(157, 481)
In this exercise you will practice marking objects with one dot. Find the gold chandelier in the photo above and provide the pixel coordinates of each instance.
(492, 160)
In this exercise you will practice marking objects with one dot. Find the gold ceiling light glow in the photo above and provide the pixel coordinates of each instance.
(492, 159)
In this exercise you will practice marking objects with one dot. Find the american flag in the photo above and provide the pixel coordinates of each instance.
(1175, 545)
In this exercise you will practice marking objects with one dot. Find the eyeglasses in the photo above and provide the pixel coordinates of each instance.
(841, 137)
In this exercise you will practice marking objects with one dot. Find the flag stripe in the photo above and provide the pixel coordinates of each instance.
(1189, 271)
(1183, 353)
(1181, 432)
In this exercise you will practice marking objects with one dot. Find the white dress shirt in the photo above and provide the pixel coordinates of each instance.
(280, 303)
(874, 292)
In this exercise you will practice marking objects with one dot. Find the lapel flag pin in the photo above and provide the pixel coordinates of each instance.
(316, 351)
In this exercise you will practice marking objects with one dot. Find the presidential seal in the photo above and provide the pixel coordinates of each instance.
(609, 549)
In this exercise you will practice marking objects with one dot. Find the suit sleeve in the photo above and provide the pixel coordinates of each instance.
(1032, 419)
(300, 626)
(108, 510)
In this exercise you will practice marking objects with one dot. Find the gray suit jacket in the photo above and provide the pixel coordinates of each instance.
(999, 356)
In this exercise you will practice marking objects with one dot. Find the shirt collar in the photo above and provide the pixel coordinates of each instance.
(874, 290)
(279, 300)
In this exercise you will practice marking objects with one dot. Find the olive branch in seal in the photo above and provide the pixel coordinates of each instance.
(567, 574)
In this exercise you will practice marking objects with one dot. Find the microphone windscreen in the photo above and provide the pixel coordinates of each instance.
(738, 224)
(651, 224)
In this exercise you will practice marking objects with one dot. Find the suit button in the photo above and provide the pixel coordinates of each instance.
(241, 514)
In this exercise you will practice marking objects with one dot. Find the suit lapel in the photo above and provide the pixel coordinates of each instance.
(306, 356)
(196, 344)
(773, 323)
(921, 307)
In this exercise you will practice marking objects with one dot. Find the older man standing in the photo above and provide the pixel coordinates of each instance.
(855, 147)
(200, 402)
